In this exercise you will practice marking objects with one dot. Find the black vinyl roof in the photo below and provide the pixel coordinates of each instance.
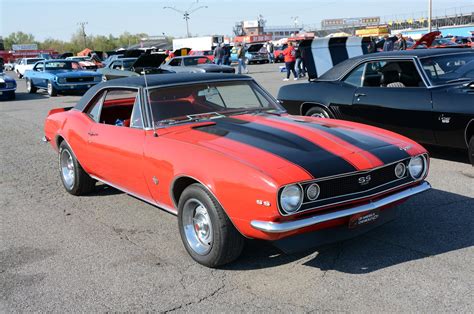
(156, 80)
(338, 70)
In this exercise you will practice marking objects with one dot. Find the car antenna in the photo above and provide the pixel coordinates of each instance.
(149, 103)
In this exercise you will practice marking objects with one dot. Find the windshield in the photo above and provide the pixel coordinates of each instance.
(443, 69)
(127, 64)
(196, 61)
(62, 65)
(207, 100)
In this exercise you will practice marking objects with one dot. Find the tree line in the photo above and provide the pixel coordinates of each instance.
(76, 43)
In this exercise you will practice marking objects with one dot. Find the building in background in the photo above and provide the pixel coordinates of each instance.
(279, 32)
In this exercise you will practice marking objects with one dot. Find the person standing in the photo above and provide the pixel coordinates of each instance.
(226, 55)
(402, 43)
(299, 65)
(241, 59)
(290, 59)
(388, 43)
(219, 54)
(270, 49)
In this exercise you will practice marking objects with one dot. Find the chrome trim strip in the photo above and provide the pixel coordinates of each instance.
(152, 202)
(7, 90)
(279, 227)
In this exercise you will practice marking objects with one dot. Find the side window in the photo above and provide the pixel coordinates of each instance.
(400, 74)
(175, 62)
(136, 121)
(117, 107)
(355, 77)
(93, 109)
(117, 65)
(39, 67)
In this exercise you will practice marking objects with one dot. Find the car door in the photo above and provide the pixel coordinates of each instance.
(37, 75)
(393, 96)
(115, 141)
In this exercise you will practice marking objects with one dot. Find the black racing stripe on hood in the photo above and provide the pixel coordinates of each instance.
(385, 151)
(297, 150)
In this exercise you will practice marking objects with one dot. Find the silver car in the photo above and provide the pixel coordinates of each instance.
(195, 64)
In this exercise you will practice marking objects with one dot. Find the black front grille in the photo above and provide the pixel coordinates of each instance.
(80, 79)
(340, 189)
(3, 85)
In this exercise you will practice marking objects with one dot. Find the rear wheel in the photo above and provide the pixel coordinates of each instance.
(471, 150)
(75, 180)
(207, 233)
(51, 90)
(30, 87)
(318, 112)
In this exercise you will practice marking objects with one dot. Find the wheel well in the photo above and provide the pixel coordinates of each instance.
(179, 186)
(308, 105)
(59, 140)
(469, 131)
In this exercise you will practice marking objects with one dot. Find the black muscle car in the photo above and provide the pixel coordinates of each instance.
(426, 94)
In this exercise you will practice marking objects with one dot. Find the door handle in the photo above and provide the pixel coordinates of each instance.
(359, 94)
(93, 134)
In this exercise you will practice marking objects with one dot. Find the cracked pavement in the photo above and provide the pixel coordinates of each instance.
(111, 252)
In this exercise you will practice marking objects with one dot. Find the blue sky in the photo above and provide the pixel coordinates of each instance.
(58, 19)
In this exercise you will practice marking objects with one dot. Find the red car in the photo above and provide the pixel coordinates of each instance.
(220, 153)
(208, 53)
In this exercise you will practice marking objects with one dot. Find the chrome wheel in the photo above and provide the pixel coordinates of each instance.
(28, 85)
(318, 115)
(197, 226)
(50, 88)
(67, 168)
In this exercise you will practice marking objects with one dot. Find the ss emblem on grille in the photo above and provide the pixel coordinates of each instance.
(365, 180)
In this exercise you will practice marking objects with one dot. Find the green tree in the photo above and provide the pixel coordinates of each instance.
(18, 38)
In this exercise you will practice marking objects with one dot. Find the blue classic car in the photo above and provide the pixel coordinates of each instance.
(7, 86)
(60, 76)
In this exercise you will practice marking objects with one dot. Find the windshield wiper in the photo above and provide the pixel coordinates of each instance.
(192, 118)
(256, 111)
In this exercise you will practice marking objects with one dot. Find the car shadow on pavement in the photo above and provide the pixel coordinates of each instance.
(102, 189)
(430, 224)
(451, 154)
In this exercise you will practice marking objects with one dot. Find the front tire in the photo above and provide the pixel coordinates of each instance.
(207, 233)
(318, 112)
(30, 87)
(75, 180)
(471, 150)
(51, 90)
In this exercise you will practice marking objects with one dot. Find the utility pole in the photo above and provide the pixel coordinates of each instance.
(83, 28)
(430, 11)
(186, 15)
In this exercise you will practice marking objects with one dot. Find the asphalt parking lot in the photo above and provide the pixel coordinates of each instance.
(111, 252)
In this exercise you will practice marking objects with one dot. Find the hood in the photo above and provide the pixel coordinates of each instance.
(149, 61)
(73, 73)
(321, 147)
(5, 78)
(255, 47)
(427, 39)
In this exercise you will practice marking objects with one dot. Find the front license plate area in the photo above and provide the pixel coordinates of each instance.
(363, 218)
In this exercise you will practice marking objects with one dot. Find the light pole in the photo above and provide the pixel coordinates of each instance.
(430, 11)
(186, 15)
(83, 27)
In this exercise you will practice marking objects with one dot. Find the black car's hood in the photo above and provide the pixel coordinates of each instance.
(149, 61)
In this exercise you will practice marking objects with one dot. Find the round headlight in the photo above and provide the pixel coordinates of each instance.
(61, 80)
(416, 167)
(400, 170)
(312, 191)
(291, 198)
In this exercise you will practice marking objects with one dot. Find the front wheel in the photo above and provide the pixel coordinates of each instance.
(318, 112)
(75, 180)
(51, 90)
(471, 150)
(207, 233)
(30, 87)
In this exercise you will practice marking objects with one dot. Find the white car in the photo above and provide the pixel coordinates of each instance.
(25, 64)
(9, 66)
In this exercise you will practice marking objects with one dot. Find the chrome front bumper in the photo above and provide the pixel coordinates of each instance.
(279, 227)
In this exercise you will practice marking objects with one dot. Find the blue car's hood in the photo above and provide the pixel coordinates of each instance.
(6, 78)
(69, 73)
